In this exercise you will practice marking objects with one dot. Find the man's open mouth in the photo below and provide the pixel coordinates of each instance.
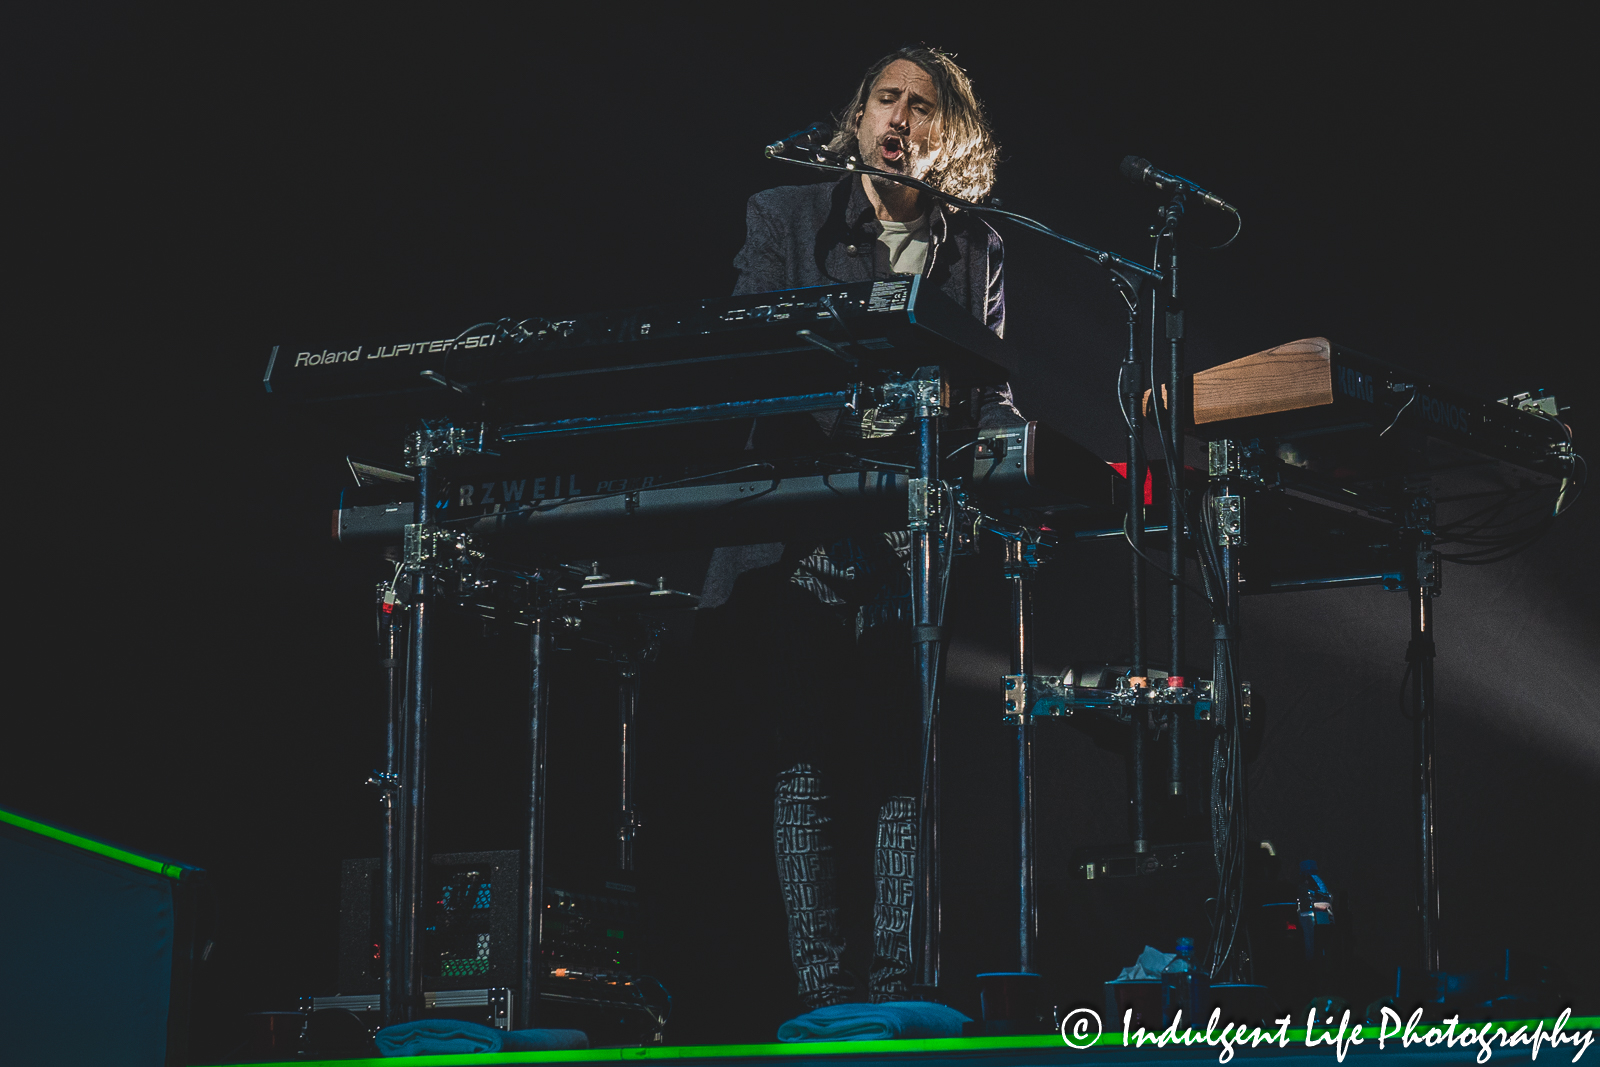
(893, 150)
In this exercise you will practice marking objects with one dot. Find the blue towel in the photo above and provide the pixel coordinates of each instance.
(874, 1022)
(426, 1037)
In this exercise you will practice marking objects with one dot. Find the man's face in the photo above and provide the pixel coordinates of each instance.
(895, 131)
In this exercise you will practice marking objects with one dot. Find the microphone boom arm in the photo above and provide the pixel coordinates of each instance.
(834, 163)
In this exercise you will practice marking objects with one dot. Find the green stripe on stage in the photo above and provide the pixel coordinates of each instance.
(709, 1052)
(839, 1048)
(175, 871)
(1112, 1039)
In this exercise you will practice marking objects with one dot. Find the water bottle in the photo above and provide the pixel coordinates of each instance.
(1183, 986)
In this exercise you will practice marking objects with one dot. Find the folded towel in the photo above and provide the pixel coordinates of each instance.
(874, 1022)
(426, 1037)
(1150, 964)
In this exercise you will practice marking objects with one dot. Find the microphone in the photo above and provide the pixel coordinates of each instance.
(813, 136)
(1145, 173)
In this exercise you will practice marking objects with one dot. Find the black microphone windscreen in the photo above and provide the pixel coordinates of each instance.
(818, 133)
(1134, 168)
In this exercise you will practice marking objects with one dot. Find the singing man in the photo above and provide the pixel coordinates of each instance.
(823, 630)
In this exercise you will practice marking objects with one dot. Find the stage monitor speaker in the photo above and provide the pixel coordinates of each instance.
(98, 944)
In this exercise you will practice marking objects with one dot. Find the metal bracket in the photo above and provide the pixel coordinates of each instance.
(500, 1008)
(1430, 575)
(918, 504)
(1230, 520)
(386, 784)
(1228, 458)
(440, 438)
(921, 395)
(1024, 549)
(1418, 514)
(1015, 695)
(965, 525)
(1223, 458)
(1060, 697)
(421, 545)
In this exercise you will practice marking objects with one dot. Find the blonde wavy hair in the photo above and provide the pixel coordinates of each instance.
(967, 154)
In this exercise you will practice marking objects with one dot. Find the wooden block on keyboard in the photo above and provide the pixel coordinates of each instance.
(1286, 378)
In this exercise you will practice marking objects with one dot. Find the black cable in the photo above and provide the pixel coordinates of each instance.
(1169, 453)
(1405, 709)
(1168, 447)
(1502, 500)
(1473, 560)
(1238, 227)
(1562, 504)
(1467, 527)
(1127, 535)
(1229, 827)
(1172, 486)
(881, 466)
(961, 448)
(1402, 411)
(1508, 533)
(1229, 814)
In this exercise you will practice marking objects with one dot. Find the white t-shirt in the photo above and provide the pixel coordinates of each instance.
(907, 244)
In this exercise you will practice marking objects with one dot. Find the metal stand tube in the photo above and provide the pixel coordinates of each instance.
(1140, 723)
(1175, 552)
(1421, 654)
(393, 681)
(627, 708)
(1018, 572)
(414, 781)
(531, 925)
(1132, 399)
(924, 551)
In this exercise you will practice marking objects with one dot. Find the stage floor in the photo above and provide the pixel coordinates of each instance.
(1035, 1051)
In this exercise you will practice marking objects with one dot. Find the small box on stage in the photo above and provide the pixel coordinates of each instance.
(486, 1007)
(472, 925)
(471, 929)
(1242, 1002)
(588, 949)
(1141, 996)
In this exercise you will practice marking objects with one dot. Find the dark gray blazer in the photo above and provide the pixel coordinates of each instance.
(803, 235)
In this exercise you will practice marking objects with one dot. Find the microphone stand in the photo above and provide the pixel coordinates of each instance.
(1126, 276)
(1171, 217)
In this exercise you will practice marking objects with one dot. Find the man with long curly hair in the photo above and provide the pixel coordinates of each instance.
(822, 631)
(913, 113)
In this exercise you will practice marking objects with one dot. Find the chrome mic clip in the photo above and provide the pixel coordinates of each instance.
(813, 136)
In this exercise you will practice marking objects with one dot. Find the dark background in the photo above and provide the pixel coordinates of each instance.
(193, 662)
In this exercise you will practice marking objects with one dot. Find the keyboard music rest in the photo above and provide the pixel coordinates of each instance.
(1352, 420)
(1314, 387)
